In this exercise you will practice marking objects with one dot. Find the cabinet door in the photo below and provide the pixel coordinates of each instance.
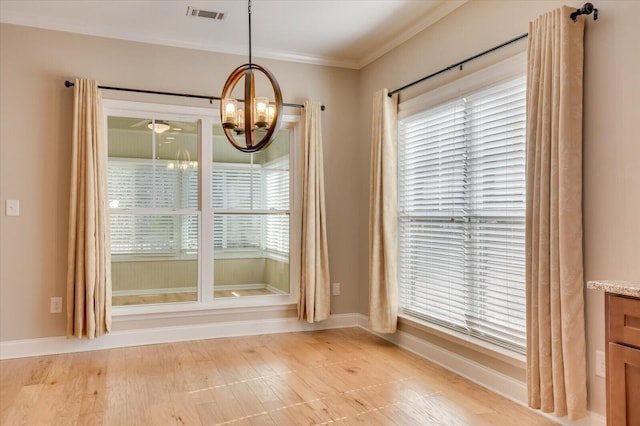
(624, 320)
(624, 386)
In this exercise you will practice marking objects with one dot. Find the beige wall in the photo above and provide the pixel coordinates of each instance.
(276, 274)
(611, 116)
(142, 275)
(153, 275)
(35, 139)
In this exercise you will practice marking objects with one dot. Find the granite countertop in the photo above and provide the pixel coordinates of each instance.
(624, 288)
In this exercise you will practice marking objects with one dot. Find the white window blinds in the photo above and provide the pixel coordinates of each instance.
(189, 224)
(160, 188)
(251, 206)
(236, 187)
(461, 214)
(154, 190)
(276, 176)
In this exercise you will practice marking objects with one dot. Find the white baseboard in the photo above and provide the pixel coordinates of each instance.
(495, 381)
(592, 419)
(150, 336)
(275, 290)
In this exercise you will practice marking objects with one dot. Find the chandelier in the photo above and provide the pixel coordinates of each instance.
(251, 123)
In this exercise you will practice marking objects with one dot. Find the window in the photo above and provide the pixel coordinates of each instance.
(461, 213)
(251, 188)
(155, 185)
(250, 202)
(165, 247)
(276, 178)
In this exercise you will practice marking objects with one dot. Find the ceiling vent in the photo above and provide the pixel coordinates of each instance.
(218, 16)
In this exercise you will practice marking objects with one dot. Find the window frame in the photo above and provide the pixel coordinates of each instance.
(509, 68)
(206, 118)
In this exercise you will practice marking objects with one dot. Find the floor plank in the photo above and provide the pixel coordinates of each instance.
(343, 377)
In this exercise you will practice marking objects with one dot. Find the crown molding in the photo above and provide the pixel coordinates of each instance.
(69, 26)
(442, 10)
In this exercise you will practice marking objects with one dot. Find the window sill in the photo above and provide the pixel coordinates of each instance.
(218, 255)
(126, 258)
(512, 358)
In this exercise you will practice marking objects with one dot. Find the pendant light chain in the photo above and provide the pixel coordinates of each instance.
(249, 8)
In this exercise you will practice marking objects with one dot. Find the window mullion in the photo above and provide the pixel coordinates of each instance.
(205, 127)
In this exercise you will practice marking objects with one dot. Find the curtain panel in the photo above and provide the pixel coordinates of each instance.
(88, 261)
(383, 214)
(315, 297)
(556, 367)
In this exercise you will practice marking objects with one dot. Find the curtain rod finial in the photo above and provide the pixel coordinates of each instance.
(587, 9)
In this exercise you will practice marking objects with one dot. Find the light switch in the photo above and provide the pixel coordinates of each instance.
(12, 208)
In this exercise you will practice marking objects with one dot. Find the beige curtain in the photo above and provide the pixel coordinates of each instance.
(556, 370)
(383, 215)
(315, 296)
(89, 264)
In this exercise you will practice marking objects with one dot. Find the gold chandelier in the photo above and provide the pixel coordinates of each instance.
(251, 123)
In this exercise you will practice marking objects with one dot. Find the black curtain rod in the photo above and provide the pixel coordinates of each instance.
(457, 64)
(587, 9)
(68, 83)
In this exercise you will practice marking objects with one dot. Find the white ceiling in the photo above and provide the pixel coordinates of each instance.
(344, 33)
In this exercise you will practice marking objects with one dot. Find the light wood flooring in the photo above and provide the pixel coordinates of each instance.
(146, 299)
(343, 376)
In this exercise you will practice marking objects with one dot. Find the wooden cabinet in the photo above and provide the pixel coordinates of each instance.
(623, 360)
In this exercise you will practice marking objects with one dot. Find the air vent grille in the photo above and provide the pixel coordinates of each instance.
(218, 16)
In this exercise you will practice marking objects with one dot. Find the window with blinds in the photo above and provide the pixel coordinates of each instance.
(236, 187)
(461, 214)
(251, 206)
(276, 181)
(155, 184)
(159, 189)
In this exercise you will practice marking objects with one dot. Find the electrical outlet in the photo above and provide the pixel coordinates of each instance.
(601, 365)
(12, 208)
(55, 307)
(335, 289)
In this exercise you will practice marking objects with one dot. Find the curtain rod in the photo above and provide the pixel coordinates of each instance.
(68, 83)
(457, 64)
(587, 9)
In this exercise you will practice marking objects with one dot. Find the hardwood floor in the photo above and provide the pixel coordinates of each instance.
(343, 376)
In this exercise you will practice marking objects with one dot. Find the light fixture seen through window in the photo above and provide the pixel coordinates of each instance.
(159, 126)
(251, 123)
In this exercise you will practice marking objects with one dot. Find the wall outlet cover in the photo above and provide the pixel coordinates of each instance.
(335, 289)
(55, 306)
(12, 207)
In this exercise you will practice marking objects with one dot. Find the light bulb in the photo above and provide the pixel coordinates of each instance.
(271, 112)
(229, 107)
(261, 111)
(240, 127)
